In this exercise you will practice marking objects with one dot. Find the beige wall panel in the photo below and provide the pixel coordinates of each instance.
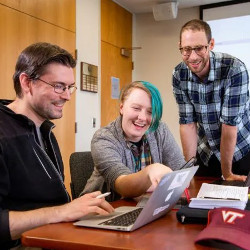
(19, 31)
(57, 12)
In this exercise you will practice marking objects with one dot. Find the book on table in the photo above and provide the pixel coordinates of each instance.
(212, 196)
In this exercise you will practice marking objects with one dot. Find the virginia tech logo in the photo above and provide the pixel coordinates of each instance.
(230, 216)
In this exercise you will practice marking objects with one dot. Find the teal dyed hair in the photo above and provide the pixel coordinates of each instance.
(156, 103)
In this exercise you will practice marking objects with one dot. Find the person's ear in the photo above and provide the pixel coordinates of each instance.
(25, 83)
(211, 44)
(121, 109)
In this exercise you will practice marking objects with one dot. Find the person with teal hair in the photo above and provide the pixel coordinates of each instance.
(133, 152)
(156, 105)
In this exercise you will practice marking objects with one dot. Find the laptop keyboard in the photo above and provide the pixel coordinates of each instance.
(126, 219)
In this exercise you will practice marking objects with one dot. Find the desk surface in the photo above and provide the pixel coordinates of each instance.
(164, 233)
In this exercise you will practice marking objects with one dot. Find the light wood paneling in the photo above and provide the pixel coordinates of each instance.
(113, 64)
(116, 24)
(116, 32)
(18, 30)
(56, 12)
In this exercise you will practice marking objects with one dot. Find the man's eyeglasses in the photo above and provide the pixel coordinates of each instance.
(199, 50)
(59, 88)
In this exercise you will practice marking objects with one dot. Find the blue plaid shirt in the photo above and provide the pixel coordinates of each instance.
(222, 98)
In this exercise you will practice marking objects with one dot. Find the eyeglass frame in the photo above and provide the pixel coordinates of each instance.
(194, 49)
(69, 87)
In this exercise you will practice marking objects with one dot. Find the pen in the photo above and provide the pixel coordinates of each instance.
(103, 195)
(217, 198)
(187, 195)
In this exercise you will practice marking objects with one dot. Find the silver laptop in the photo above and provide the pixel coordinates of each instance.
(162, 200)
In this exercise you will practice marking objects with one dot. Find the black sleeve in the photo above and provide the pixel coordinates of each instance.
(4, 214)
(4, 226)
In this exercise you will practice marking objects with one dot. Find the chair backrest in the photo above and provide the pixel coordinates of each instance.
(81, 167)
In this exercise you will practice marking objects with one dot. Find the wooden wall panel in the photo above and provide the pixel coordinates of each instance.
(116, 33)
(112, 65)
(19, 30)
(116, 24)
(57, 12)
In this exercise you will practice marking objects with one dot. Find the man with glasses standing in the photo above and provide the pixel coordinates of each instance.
(212, 92)
(32, 192)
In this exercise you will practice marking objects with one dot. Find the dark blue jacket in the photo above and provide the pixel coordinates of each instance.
(30, 177)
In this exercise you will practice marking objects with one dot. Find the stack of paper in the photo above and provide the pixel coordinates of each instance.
(211, 196)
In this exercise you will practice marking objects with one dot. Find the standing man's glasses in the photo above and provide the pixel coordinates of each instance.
(59, 88)
(199, 50)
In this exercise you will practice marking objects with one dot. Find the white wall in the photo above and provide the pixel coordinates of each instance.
(88, 47)
(158, 57)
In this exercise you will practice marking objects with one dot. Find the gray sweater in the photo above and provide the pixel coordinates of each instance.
(112, 157)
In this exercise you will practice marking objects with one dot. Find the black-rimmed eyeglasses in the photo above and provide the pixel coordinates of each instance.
(59, 88)
(199, 50)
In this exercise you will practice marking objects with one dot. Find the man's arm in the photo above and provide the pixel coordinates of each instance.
(136, 184)
(188, 133)
(235, 103)
(20, 222)
(227, 146)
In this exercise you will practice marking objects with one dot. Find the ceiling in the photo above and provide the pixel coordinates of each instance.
(145, 6)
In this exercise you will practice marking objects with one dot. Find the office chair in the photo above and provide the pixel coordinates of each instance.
(81, 167)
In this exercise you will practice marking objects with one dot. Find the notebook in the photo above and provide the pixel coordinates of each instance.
(162, 200)
(245, 183)
(212, 196)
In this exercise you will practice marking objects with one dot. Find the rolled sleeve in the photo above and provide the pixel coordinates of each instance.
(236, 97)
